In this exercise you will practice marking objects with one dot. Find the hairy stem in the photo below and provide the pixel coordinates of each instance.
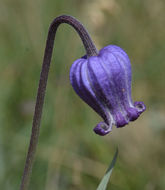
(90, 50)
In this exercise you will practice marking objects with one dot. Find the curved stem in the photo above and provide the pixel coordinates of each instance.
(90, 50)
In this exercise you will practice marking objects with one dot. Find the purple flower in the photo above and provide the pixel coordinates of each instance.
(104, 83)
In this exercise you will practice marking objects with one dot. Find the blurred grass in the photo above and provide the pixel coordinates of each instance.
(70, 155)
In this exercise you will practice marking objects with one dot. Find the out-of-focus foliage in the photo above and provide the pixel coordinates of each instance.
(70, 155)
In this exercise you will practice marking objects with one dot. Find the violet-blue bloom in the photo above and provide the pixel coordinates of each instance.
(104, 83)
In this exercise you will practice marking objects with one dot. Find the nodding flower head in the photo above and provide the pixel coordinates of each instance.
(104, 83)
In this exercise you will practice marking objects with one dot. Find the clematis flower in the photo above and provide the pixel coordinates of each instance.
(102, 79)
(104, 83)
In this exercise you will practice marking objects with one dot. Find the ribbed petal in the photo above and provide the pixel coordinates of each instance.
(82, 86)
(93, 101)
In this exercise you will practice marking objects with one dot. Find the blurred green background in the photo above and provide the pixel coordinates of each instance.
(70, 156)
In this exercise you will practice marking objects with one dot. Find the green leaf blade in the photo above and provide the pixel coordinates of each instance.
(104, 182)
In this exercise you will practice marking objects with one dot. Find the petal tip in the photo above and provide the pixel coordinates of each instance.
(121, 121)
(140, 106)
(132, 113)
(102, 129)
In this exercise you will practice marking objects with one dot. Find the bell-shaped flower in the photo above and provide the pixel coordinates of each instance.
(104, 83)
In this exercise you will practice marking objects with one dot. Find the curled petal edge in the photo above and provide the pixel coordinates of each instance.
(140, 106)
(102, 128)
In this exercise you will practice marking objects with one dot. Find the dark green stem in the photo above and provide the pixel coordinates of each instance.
(90, 50)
